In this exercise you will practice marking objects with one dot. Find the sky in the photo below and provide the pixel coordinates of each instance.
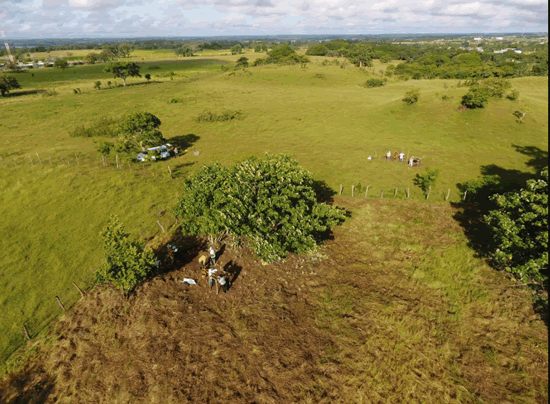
(141, 18)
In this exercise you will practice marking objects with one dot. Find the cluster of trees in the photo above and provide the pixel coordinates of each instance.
(481, 90)
(184, 51)
(282, 55)
(110, 52)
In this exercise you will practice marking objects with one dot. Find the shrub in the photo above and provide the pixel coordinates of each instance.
(175, 100)
(513, 95)
(126, 262)
(209, 116)
(426, 180)
(270, 203)
(148, 77)
(105, 127)
(97, 85)
(77, 90)
(480, 189)
(411, 97)
(475, 98)
(520, 231)
(242, 62)
(103, 147)
(154, 67)
(374, 83)
(495, 87)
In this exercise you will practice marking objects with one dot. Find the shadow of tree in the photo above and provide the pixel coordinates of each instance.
(179, 170)
(30, 386)
(21, 93)
(325, 194)
(233, 270)
(539, 157)
(184, 141)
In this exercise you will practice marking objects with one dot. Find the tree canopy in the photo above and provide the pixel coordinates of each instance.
(269, 202)
(184, 51)
(123, 70)
(61, 64)
(8, 83)
(139, 131)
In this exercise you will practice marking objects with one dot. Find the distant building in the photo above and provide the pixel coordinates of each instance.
(477, 39)
(499, 38)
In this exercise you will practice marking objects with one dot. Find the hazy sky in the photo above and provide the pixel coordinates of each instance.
(128, 18)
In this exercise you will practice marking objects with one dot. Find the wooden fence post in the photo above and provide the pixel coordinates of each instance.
(448, 194)
(79, 290)
(352, 189)
(116, 159)
(30, 158)
(158, 221)
(50, 160)
(395, 192)
(429, 191)
(26, 330)
(382, 194)
(465, 192)
(170, 172)
(15, 160)
(60, 304)
(39, 159)
(77, 161)
(341, 189)
(367, 191)
(408, 193)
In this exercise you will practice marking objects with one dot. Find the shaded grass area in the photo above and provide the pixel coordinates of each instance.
(375, 316)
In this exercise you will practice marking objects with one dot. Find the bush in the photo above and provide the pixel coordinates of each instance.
(77, 90)
(520, 231)
(105, 127)
(513, 95)
(270, 203)
(104, 147)
(374, 83)
(411, 97)
(209, 116)
(97, 85)
(175, 100)
(126, 262)
(480, 189)
(154, 67)
(475, 98)
(495, 87)
(426, 180)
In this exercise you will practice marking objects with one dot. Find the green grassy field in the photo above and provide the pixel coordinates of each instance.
(51, 215)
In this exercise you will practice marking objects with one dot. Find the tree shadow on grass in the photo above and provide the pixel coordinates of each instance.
(22, 93)
(324, 193)
(180, 170)
(184, 141)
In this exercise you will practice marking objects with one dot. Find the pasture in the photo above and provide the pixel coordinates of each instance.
(51, 214)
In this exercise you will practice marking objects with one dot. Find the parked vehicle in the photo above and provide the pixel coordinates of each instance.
(162, 152)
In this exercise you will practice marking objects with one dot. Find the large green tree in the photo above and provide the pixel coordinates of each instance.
(126, 262)
(360, 55)
(8, 83)
(269, 202)
(184, 51)
(139, 131)
(61, 64)
(123, 70)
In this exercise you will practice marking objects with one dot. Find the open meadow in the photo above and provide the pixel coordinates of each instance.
(55, 196)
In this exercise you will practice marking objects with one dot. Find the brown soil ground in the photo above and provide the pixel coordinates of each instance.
(344, 325)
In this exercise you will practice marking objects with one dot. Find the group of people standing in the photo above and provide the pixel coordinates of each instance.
(215, 276)
(401, 158)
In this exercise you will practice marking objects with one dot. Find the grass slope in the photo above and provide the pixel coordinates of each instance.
(395, 309)
(51, 215)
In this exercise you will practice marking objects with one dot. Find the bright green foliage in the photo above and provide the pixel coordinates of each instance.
(61, 64)
(104, 147)
(475, 98)
(237, 49)
(270, 202)
(495, 87)
(126, 263)
(284, 54)
(123, 70)
(184, 51)
(513, 95)
(426, 180)
(374, 83)
(139, 131)
(8, 83)
(227, 115)
(411, 97)
(520, 230)
(317, 50)
(242, 62)
(360, 55)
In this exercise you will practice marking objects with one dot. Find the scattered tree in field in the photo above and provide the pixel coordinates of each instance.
(123, 70)
(92, 58)
(374, 83)
(520, 231)
(184, 51)
(61, 64)
(8, 83)
(104, 148)
(317, 50)
(139, 131)
(148, 77)
(124, 49)
(237, 49)
(242, 62)
(513, 95)
(97, 85)
(426, 180)
(475, 98)
(126, 262)
(360, 55)
(105, 56)
(268, 202)
(411, 97)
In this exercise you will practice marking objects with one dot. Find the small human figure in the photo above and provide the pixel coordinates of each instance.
(172, 249)
(369, 158)
(211, 275)
(212, 255)
(401, 157)
(388, 155)
(411, 162)
(176, 151)
(202, 261)
(224, 283)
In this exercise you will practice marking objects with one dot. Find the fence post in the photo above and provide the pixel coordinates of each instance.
(30, 158)
(465, 192)
(395, 192)
(448, 194)
(408, 193)
(76, 156)
(158, 221)
(79, 290)
(352, 189)
(341, 189)
(60, 304)
(39, 159)
(170, 172)
(26, 330)
(15, 160)
(367, 191)
(49, 158)
(382, 194)
(429, 191)
(116, 159)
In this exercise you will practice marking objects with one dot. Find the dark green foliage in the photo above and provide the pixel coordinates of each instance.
(92, 58)
(411, 97)
(374, 83)
(360, 55)
(126, 262)
(268, 202)
(103, 147)
(139, 131)
(77, 91)
(520, 230)
(184, 51)
(154, 67)
(175, 100)
(426, 180)
(284, 54)
(480, 189)
(97, 85)
(237, 49)
(123, 70)
(259, 62)
(317, 50)
(228, 115)
(495, 87)
(8, 83)
(148, 77)
(105, 127)
(475, 98)
(242, 62)
(61, 64)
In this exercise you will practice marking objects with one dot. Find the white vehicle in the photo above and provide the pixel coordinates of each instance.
(164, 152)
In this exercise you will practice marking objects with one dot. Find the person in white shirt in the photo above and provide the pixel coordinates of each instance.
(211, 275)
(212, 255)
(369, 158)
(411, 162)
(388, 155)
(401, 157)
(224, 283)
